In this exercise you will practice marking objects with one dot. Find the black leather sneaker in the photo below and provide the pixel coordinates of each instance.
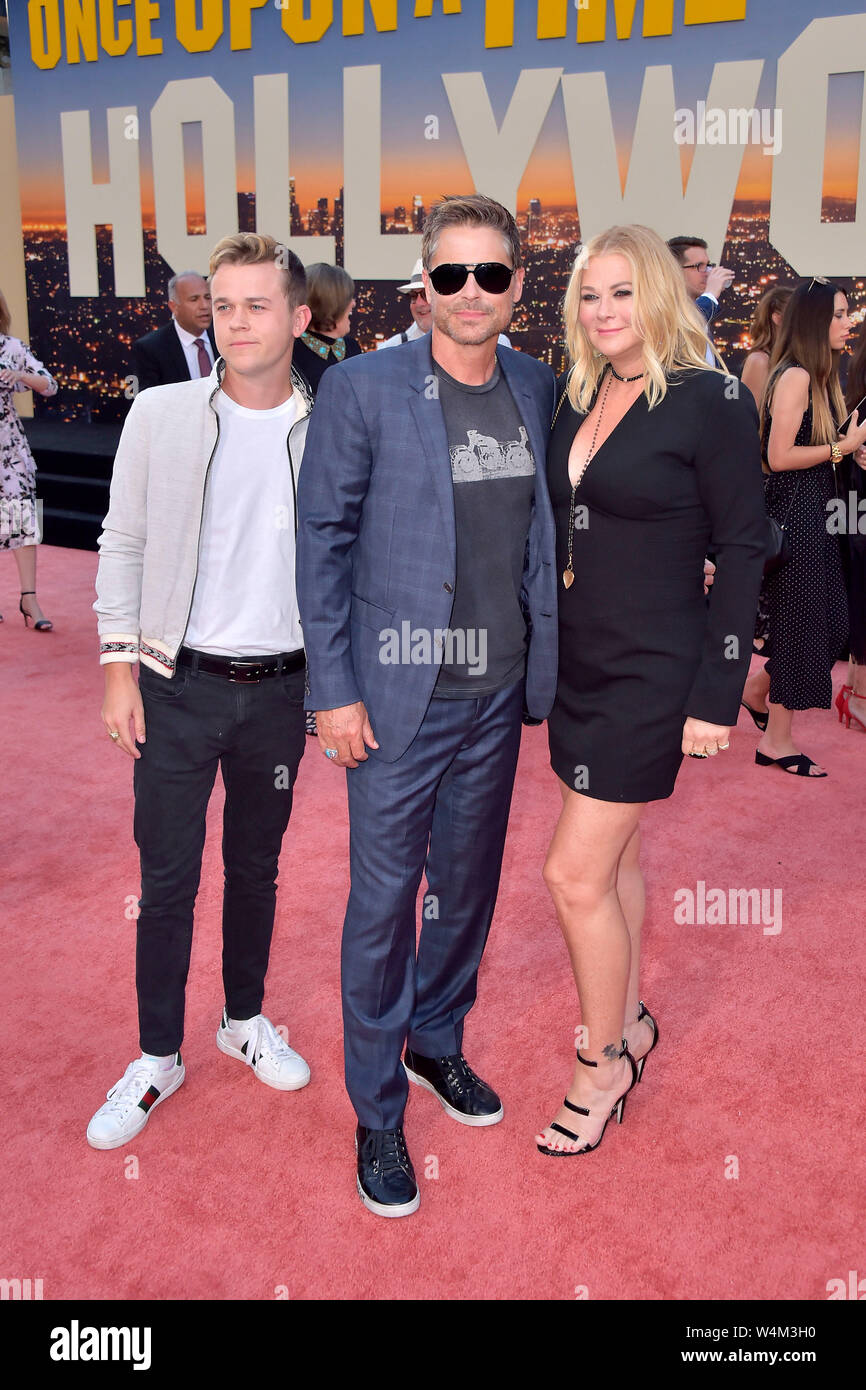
(386, 1178)
(454, 1084)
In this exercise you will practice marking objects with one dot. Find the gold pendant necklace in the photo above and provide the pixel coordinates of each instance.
(568, 572)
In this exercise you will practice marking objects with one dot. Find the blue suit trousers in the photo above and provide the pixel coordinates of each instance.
(441, 807)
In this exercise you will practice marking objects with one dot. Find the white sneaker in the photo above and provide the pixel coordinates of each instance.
(140, 1090)
(257, 1042)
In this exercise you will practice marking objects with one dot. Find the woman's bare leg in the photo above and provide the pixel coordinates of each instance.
(581, 873)
(777, 740)
(631, 891)
(25, 558)
(757, 689)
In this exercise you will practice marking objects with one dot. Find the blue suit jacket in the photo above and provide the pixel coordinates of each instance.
(376, 540)
(708, 307)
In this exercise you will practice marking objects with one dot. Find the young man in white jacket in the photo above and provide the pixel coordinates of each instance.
(196, 583)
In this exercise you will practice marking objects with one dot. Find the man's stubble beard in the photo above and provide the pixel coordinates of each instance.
(471, 335)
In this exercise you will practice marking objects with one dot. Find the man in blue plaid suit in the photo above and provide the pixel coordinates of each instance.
(428, 601)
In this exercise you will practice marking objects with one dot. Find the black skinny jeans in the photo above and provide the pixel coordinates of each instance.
(255, 734)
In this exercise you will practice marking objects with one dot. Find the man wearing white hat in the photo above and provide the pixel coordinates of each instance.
(420, 309)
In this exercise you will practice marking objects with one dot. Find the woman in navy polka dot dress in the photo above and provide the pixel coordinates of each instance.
(806, 599)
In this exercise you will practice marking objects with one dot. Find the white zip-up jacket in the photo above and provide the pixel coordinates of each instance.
(149, 546)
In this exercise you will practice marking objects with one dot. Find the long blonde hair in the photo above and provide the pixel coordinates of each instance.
(672, 328)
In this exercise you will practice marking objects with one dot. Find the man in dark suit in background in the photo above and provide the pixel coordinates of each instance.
(184, 349)
(704, 281)
(427, 595)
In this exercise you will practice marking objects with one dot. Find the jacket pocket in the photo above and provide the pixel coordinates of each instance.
(370, 615)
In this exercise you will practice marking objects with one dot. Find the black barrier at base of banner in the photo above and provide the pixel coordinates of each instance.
(73, 474)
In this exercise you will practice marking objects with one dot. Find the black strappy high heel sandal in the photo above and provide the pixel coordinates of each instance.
(643, 1012)
(44, 624)
(618, 1109)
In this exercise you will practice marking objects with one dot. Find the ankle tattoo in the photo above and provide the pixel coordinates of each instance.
(611, 1052)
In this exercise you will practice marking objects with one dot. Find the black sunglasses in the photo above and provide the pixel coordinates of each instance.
(490, 276)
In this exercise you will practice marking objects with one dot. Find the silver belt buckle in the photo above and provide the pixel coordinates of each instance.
(249, 674)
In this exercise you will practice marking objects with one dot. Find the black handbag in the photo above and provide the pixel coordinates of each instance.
(778, 539)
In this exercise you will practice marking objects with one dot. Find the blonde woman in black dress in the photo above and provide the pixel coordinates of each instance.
(654, 459)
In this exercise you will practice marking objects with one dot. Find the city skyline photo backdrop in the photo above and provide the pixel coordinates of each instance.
(147, 133)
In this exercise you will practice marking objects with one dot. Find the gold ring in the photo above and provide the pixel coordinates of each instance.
(112, 733)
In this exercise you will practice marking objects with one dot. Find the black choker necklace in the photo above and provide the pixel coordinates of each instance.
(625, 378)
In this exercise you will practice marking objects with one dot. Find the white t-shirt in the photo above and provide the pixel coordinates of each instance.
(244, 602)
(412, 332)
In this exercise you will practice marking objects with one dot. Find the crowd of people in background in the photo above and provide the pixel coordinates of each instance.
(817, 599)
(699, 486)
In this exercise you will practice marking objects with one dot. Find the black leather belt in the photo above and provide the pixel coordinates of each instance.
(249, 669)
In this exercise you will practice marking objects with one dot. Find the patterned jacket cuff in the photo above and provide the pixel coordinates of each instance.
(118, 648)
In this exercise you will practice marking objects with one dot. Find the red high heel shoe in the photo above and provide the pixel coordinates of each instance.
(847, 712)
(841, 700)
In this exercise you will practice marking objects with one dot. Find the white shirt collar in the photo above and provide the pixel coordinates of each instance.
(187, 339)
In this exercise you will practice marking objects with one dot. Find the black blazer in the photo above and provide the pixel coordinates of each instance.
(158, 357)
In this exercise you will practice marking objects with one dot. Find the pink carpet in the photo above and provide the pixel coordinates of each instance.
(237, 1191)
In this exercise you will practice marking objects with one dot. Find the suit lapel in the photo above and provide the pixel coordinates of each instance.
(175, 354)
(430, 422)
(534, 411)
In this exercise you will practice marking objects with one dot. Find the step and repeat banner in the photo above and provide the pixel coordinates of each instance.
(147, 130)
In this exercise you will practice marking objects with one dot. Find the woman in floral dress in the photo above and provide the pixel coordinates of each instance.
(19, 528)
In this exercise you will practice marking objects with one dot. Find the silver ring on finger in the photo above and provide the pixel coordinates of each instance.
(331, 752)
(113, 735)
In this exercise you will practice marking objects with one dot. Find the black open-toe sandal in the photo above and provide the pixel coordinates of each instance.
(760, 716)
(618, 1109)
(796, 764)
(644, 1012)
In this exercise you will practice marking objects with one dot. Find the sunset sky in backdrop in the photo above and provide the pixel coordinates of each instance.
(412, 60)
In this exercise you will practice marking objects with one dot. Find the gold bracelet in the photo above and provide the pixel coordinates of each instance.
(835, 453)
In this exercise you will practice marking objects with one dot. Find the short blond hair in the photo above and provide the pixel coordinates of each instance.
(673, 329)
(253, 248)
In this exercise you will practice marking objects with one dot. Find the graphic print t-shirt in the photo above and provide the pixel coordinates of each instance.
(493, 474)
